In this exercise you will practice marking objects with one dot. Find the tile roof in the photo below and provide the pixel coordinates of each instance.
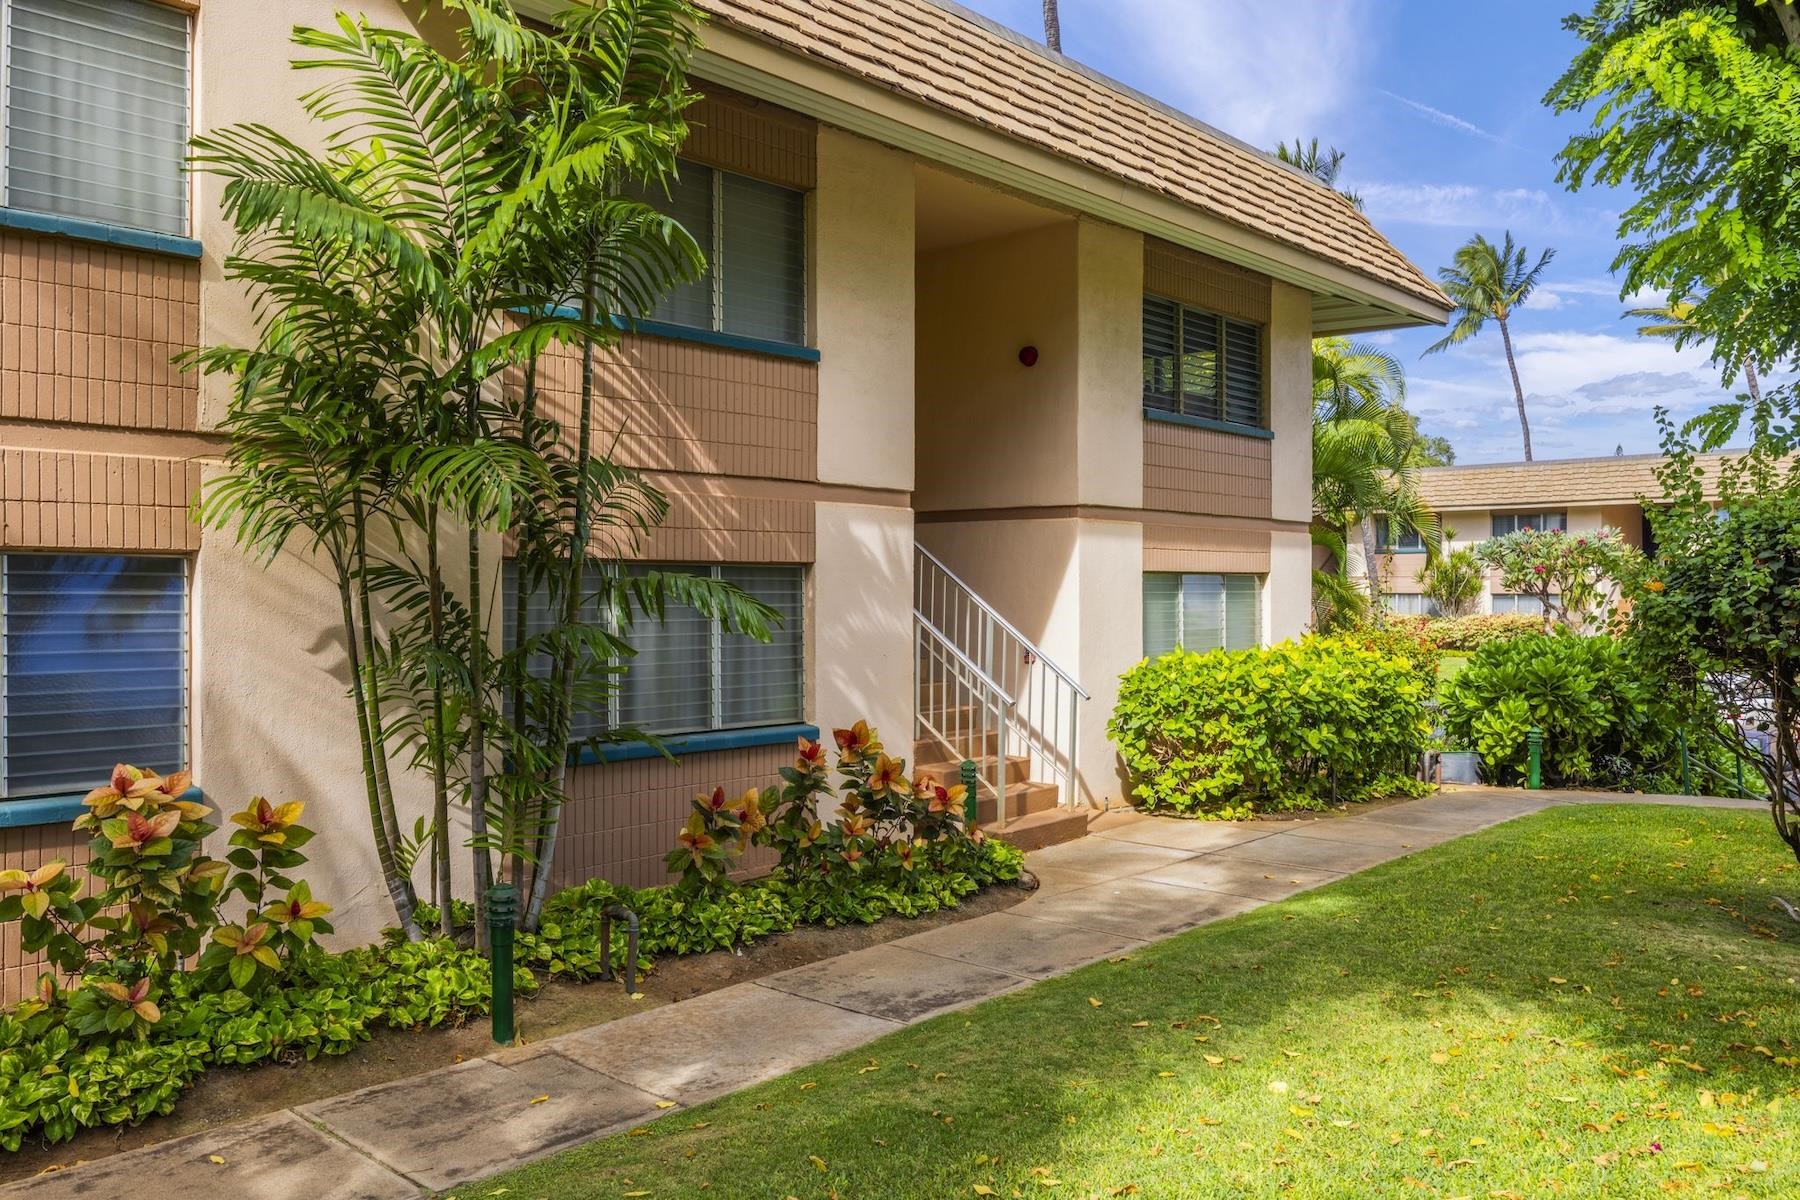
(964, 65)
(1549, 482)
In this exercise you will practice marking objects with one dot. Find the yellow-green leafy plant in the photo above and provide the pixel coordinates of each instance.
(265, 847)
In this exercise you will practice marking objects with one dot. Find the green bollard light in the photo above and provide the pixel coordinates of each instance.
(503, 910)
(971, 811)
(1535, 741)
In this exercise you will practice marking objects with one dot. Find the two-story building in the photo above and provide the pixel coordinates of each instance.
(999, 379)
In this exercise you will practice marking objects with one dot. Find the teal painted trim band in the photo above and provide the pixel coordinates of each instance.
(98, 231)
(1249, 431)
(698, 743)
(56, 810)
(705, 337)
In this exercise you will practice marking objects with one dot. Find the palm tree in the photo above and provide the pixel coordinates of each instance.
(1490, 282)
(1674, 322)
(1052, 26)
(1364, 444)
(1324, 165)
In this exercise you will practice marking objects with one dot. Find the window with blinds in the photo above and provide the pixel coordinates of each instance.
(1201, 612)
(1505, 523)
(690, 674)
(1410, 604)
(754, 237)
(96, 111)
(1519, 603)
(1398, 539)
(93, 669)
(1201, 364)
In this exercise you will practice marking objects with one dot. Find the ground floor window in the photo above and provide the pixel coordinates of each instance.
(1410, 604)
(691, 676)
(1201, 612)
(1515, 602)
(93, 669)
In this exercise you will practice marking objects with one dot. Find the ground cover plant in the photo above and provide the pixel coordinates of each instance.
(1592, 1001)
(1293, 726)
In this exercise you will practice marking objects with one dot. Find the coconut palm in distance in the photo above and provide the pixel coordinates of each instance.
(1674, 322)
(1490, 282)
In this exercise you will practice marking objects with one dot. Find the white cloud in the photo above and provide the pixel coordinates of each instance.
(1438, 116)
(1460, 205)
(1244, 69)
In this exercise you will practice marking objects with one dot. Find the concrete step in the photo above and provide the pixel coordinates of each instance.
(932, 750)
(1022, 799)
(1034, 831)
(947, 771)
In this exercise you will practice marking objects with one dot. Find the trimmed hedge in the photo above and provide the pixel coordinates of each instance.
(1231, 733)
(1462, 634)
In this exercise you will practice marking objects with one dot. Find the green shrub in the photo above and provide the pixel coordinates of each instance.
(1463, 634)
(1605, 721)
(1232, 733)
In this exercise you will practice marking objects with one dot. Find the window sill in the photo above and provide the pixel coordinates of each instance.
(98, 231)
(698, 743)
(57, 810)
(1249, 431)
(704, 337)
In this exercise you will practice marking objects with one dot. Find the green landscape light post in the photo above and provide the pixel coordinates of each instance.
(503, 908)
(971, 810)
(1535, 741)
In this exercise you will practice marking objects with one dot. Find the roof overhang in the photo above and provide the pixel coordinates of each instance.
(1343, 301)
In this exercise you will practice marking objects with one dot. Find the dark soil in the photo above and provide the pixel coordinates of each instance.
(227, 1094)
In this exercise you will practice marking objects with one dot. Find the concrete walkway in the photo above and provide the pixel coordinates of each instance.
(1136, 879)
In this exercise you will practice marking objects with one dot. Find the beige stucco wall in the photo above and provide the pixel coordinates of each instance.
(1110, 315)
(862, 311)
(860, 652)
(1287, 592)
(993, 432)
(1290, 403)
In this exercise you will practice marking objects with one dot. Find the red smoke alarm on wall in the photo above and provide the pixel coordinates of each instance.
(1028, 356)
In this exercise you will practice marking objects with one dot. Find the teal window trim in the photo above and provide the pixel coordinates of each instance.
(1249, 431)
(705, 337)
(98, 231)
(698, 743)
(57, 810)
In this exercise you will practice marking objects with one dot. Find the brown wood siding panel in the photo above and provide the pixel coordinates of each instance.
(1400, 573)
(87, 333)
(55, 500)
(1205, 282)
(621, 819)
(1205, 471)
(708, 522)
(684, 406)
(752, 137)
(24, 849)
(1194, 549)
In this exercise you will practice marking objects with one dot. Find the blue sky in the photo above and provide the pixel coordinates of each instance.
(1437, 107)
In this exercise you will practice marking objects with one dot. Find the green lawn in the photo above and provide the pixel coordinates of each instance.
(1450, 666)
(1588, 1002)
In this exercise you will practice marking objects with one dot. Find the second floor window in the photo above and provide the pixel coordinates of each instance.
(754, 237)
(1201, 364)
(96, 111)
(1397, 539)
(1505, 523)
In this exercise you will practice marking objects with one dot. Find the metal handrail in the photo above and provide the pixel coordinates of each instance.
(1035, 704)
(1005, 624)
(962, 659)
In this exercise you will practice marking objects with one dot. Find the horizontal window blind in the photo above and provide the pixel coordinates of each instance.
(93, 669)
(690, 202)
(754, 237)
(689, 674)
(1201, 612)
(96, 111)
(1200, 364)
(1410, 604)
(1514, 602)
(1505, 523)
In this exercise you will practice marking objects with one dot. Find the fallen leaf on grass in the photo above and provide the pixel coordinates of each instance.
(817, 1162)
(1095, 1001)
